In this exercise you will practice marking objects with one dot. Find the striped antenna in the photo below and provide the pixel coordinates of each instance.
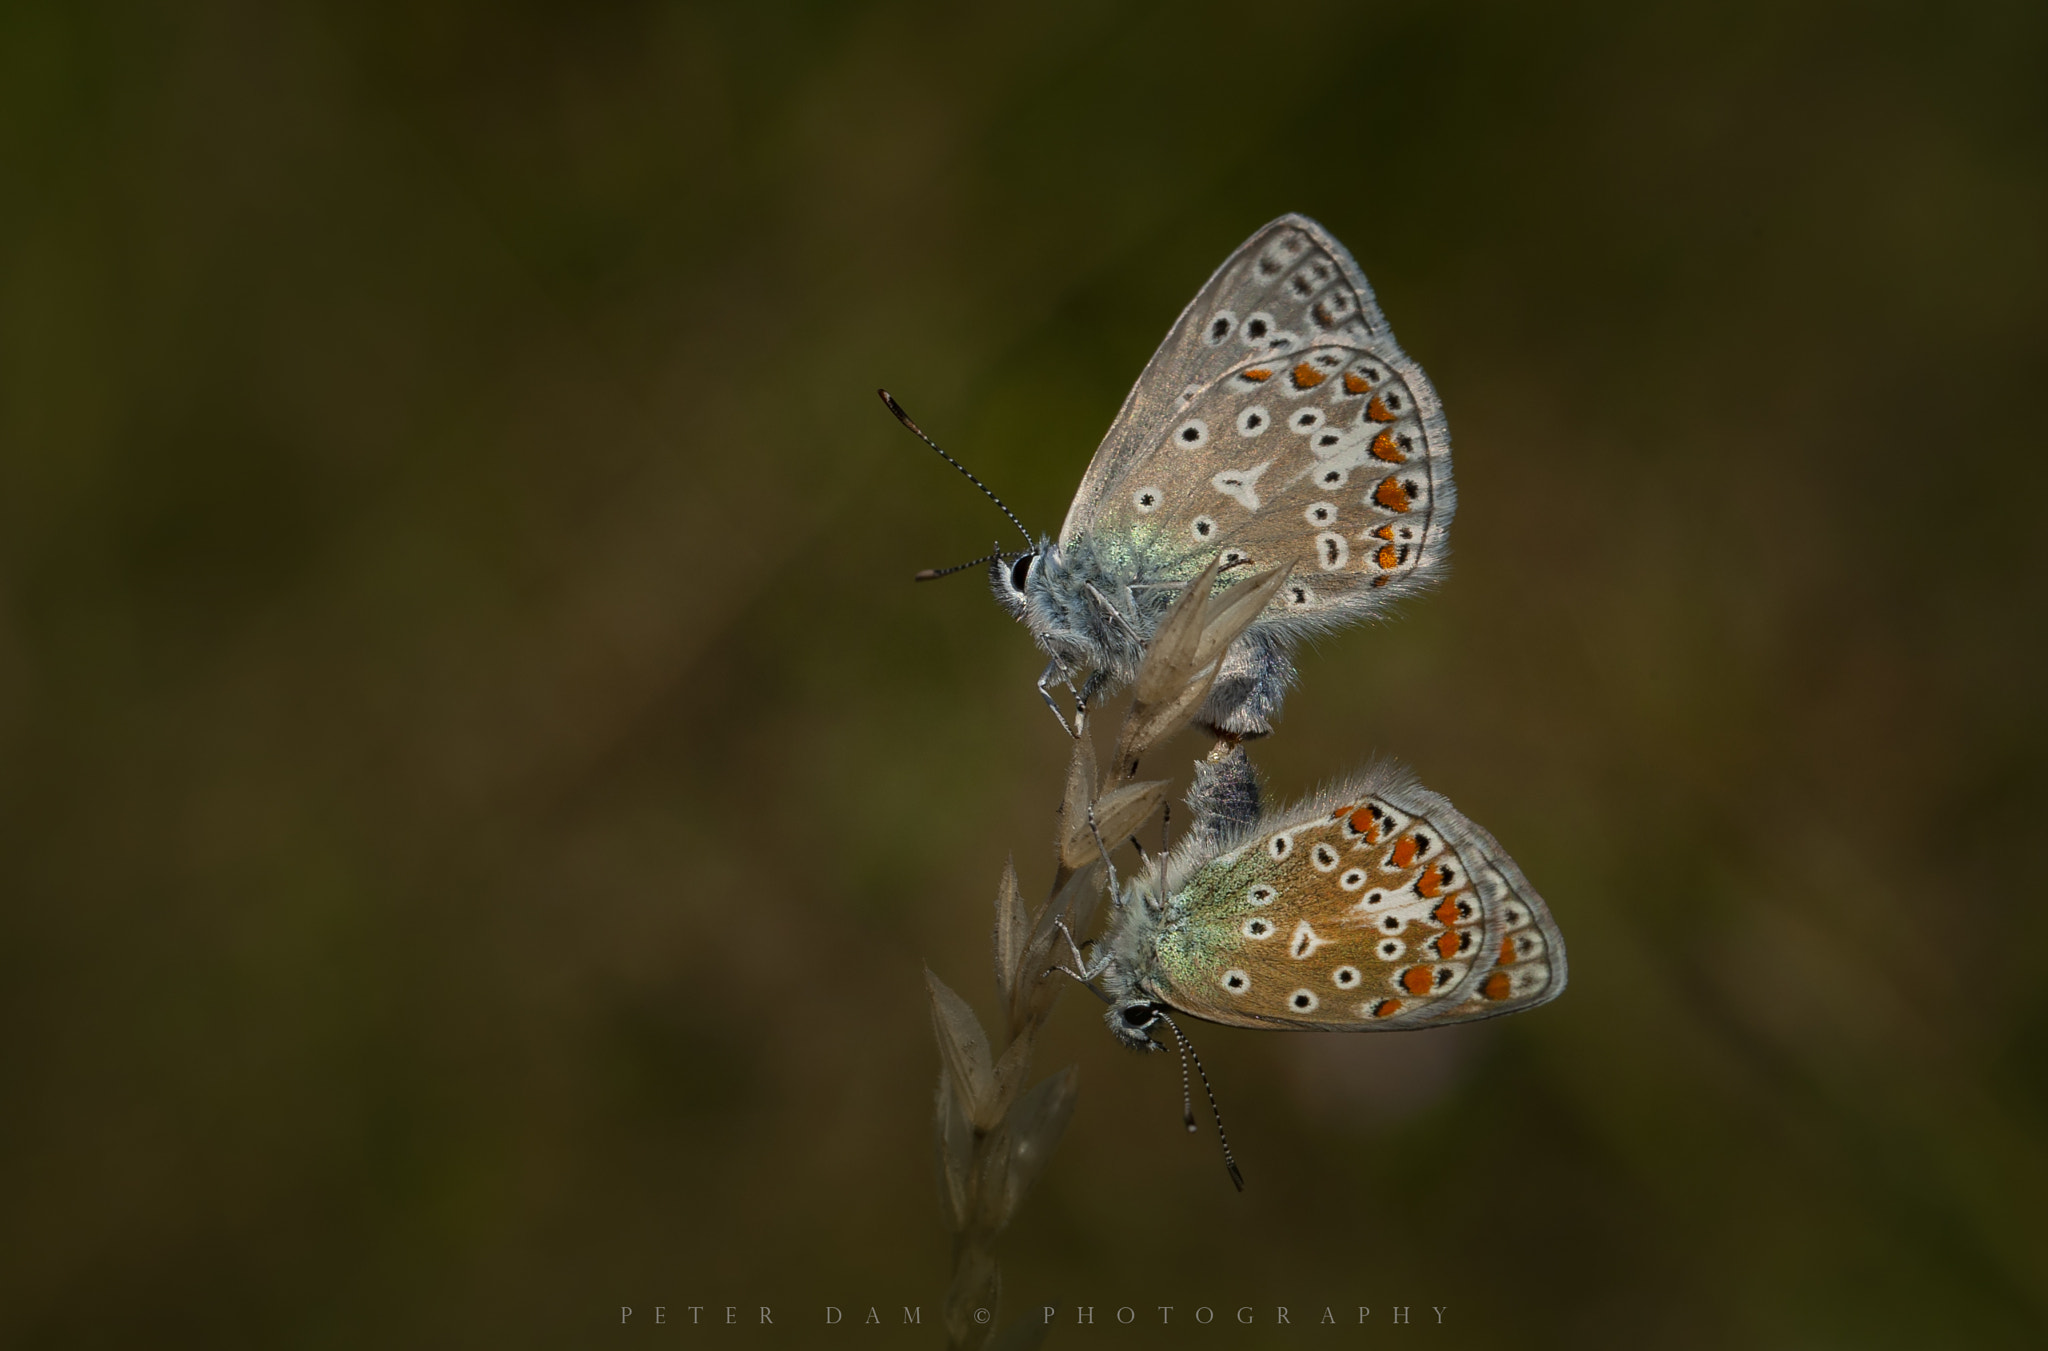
(918, 432)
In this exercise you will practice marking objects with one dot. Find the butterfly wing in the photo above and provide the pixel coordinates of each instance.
(1280, 423)
(1375, 906)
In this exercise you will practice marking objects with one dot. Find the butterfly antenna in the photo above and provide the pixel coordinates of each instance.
(931, 574)
(1188, 1051)
(918, 432)
(1187, 1095)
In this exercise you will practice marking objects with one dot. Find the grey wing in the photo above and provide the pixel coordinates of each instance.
(1328, 461)
(1289, 287)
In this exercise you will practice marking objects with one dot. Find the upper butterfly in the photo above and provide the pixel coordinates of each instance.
(1280, 424)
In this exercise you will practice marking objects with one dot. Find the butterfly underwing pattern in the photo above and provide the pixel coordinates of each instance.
(1280, 425)
(1373, 906)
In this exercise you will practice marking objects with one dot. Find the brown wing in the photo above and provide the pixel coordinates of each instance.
(1378, 906)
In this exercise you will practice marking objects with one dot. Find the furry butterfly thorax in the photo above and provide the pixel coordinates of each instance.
(1280, 425)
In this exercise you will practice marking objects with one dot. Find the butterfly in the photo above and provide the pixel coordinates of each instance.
(1373, 906)
(1278, 423)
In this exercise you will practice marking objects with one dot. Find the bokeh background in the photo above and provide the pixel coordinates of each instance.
(478, 787)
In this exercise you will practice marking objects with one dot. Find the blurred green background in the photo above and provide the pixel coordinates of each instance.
(479, 786)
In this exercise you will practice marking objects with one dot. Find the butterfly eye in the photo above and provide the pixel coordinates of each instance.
(1020, 572)
(1140, 1015)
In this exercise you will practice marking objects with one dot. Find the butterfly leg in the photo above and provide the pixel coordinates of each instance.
(1081, 970)
(1046, 680)
(1118, 615)
(1090, 688)
(1116, 894)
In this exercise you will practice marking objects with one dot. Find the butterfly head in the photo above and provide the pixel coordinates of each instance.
(1132, 1020)
(1134, 1009)
(1010, 577)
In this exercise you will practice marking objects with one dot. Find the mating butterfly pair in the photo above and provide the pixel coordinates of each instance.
(1280, 426)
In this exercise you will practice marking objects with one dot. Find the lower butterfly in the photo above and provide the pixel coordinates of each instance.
(1374, 906)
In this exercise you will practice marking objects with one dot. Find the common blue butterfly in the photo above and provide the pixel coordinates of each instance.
(1373, 906)
(1280, 424)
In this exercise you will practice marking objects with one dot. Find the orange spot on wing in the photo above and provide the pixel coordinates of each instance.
(1386, 1008)
(1507, 951)
(1431, 883)
(1387, 557)
(1391, 495)
(1361, 821)
(1447, 913)
(1385, 532)
(1379, 581)
(1307, 376)
(1356, 383)
(1377, 410)
(1257, 374)
(1497, 986)
(1404, 851)
(1447, 945)
(1418, 980)
(1387, 446)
